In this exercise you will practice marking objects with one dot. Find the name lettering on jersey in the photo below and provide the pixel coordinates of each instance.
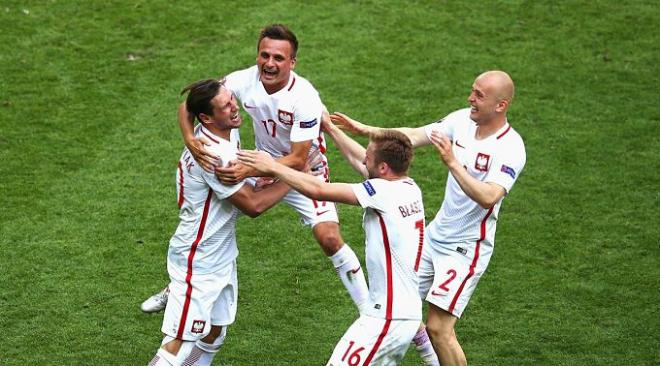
(370, 189)
(198, 326)
(189, 163)
(410, 208)
(508, 170)
(308, 124)
(285, 117)
(481, 163)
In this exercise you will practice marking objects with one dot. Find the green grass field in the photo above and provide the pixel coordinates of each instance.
(89, 144)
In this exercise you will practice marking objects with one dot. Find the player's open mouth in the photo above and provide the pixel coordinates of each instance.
(235, 117)
(269, 73)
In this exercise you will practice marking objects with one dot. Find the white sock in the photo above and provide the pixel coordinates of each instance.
(351, 274)
(203, 353)
(425, 348)
(163, 358)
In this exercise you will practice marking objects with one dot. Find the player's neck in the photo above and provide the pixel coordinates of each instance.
(485, 130)
(222, 133)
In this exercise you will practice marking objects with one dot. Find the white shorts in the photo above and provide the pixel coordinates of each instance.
(209, 299)
(311, 212)
(449, 273)
(375, 342)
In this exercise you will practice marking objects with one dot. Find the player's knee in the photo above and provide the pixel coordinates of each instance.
(440, 334)
(212, 342)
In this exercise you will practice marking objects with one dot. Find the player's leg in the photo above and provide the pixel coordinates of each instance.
(223, 314)
(425, 274)
(375, 342)
(205, 349)
(172, 352)
(346, 263)
(440, 326)
(156, 302)
(323, 218)
(424, 347)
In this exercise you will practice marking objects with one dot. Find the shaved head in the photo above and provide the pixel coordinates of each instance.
(499, 83)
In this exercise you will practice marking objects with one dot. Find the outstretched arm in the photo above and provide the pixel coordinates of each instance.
(301, 182)
(353, 152)
(255, 202)
(195, 146)
(486, 194)
(416, 135)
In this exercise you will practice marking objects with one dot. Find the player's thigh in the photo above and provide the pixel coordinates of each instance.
(188, 314)
(378, 341)
(311, 211)
(456, 276)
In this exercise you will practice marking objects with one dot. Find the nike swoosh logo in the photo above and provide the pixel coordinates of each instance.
(459, 145)
(436, 293)
(248, 106)
(321, 213)
(354, 271)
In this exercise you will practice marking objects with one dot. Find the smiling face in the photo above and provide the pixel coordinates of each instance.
(275, 60)
(225, 114)
(491, 94)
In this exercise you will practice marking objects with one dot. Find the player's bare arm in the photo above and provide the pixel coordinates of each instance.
(236, 172)
(195, 145)
(486, 194)
(298, 156)
(416, 135)
(303, 183)
(255, 202)
(353, 152)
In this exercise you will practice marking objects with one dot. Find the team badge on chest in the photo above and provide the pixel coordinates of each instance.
(481, 163)
(285, 117)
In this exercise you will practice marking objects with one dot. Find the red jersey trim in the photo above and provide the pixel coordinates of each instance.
(390, 291)
(503, 133)
(475, 259)
(388, 267)
(292, 83)
(381, 336)
(191, 256)
(210, 137)
(180, 168)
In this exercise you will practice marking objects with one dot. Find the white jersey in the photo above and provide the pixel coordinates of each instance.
(394, 226)
(292, 114)
(205, 239)
(498, 159)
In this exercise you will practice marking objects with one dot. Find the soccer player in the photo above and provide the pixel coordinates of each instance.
(484, 156)
(286, 110)
(201, 259)
(394, 226)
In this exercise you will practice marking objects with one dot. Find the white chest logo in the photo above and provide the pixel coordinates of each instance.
(482, 161)
(285, 117)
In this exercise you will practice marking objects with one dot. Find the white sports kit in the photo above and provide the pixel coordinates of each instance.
(201, 259)
(292, 114)
(461, 237)
(394, 225)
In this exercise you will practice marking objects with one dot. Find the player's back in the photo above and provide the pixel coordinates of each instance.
(394, 227)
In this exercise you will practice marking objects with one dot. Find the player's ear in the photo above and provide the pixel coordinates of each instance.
(293, 63)
(204, 118)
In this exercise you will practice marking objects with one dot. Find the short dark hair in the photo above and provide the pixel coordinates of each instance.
(280, 32)
(394, 148)
(200, 94)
